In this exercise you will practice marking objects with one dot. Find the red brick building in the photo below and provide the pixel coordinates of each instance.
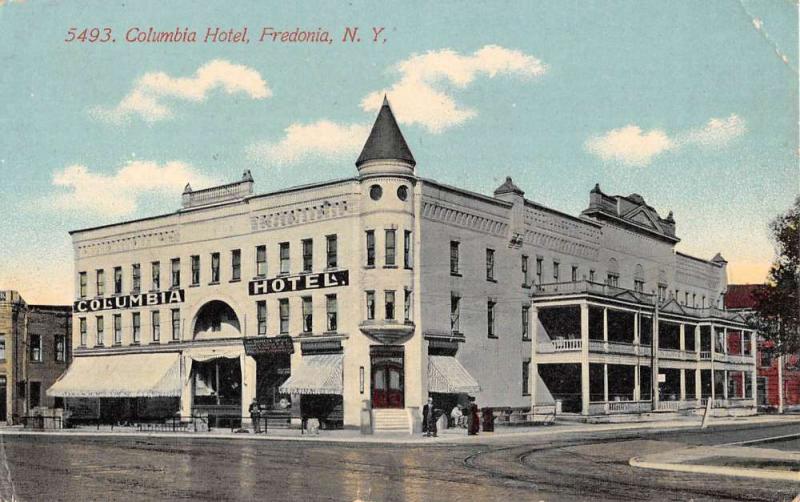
(740, 297)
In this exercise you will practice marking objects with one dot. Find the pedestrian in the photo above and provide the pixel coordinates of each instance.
(457, 416)
(473, 420)
(429, 419)
(255, 416)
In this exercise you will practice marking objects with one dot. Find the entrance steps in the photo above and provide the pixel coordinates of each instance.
(390, 420)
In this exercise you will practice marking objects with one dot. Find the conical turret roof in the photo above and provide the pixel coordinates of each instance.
(385, 141)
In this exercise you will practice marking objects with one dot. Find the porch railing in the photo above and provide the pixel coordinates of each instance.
(564, 345)
(705, 355)
(668, 405)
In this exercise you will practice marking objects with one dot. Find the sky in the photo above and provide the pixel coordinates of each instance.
(693, 105)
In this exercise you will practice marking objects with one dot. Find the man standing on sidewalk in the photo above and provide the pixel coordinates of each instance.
(255, 417)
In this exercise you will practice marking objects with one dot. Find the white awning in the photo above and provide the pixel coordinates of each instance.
(316, 374)
(130, 375)
(543, 395)
(447, 376)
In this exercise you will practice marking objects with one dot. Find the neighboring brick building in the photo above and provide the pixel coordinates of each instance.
(740, 298)
(35, 349)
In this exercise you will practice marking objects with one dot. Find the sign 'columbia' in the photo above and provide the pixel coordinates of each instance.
(131, 301)
(300, 282)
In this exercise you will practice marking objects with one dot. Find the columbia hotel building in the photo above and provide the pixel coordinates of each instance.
(353, 300)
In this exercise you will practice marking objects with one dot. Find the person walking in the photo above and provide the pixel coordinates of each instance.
(255, 416)
(473, 420)
(429, 419)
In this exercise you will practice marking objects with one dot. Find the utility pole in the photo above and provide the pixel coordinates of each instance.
(780, 383)
(653, 360)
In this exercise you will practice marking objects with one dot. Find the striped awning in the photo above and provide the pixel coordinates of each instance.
(447, 376)
(130, 375)
(316, 374)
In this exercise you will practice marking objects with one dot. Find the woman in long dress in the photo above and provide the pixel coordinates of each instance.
(473, 420)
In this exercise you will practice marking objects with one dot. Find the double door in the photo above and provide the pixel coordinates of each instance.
(387, 382)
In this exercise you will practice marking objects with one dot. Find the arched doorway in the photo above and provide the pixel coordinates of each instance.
(388, 378)
(216, 377)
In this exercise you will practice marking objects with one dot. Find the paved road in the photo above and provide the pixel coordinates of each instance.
(589, 466)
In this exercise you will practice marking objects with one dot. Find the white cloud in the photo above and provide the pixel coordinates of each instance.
(118, 194)
(422, 94)
(629, 145)
(321, 139)
(149, 99)
(717, 132)
(634, 147)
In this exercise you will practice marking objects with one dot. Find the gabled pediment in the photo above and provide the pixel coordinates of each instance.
(673, 307)
(643, 217)
(626, 295)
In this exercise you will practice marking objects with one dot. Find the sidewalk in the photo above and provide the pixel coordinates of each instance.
(449, 436)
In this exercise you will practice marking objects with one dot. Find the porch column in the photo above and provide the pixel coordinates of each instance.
(605, 382)
(248, 368)
(682, 337)
(186, 386)
(698, 385)
(683, 380)
(754, 371)
(636, 338)
(584, 358)
(605, 329)
(533, 377)
(725, 377)
(637, 381)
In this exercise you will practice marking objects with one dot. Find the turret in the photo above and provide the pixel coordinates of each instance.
(386, 151)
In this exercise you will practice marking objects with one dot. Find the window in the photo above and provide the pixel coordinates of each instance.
(703, 302)
(454, 257)
(490, 319)
(308, 315)
(195, 270)
(370, 305)
(236, 264)
(60, 347)
(556, 266)
(694, 297)
(455, 313)
(539, 266)
(612, 279)
(638, 286)
(155, 273)
(35, 397)
(591, 275)
(686, 298)
(308, 255)
(136, 275)
(100, 282)
(402, 192)
(283, 308)
(526, 332)
(214, 267)
(525, 278)
(261, 316)
(82, 282)
(662, 292)
(526, 370)
(331, 251)
(408, 246)
(176, 325)
(261, 261)
(82, 323)
(390, 248)
(407, 305)
(100, 327)
(574, 273)
(136, 324)
(155, 323)
(2, 347)
(117, 280)
(284, 255)
(176, 273)
(489, 264)
(117, 321)
(375, 192)
(331, 308)
(370, 248)
(389, 305)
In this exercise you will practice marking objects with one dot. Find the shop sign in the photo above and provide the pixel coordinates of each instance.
(130, 301)
(300, 282)
(268, 345)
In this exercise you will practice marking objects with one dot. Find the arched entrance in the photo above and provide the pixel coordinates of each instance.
(388, 378)
(216, 376)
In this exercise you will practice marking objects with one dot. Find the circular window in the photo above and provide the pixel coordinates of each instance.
(375, 192)
(402, 192)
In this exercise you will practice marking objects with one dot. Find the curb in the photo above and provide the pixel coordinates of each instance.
(744, 472)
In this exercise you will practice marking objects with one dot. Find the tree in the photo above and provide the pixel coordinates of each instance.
(777, 303)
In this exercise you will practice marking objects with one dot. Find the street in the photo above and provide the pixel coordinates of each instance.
(586, 466)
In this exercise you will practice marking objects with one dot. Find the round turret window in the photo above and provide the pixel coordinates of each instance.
(402, 192)
(375, 192)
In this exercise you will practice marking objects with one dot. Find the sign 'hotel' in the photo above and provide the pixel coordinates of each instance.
(353, 300)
